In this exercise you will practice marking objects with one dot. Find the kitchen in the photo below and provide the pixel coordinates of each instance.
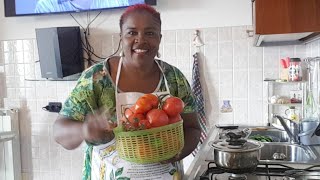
(231, 67)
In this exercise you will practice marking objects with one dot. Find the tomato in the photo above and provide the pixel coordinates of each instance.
(135, 118)
(157, 118)
(129, 111)
(144, 124)
(143, 105)
(173, 106)
(129, 127)
(175, 119)
(153, 100)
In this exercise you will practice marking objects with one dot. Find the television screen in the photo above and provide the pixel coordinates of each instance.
(35, 7)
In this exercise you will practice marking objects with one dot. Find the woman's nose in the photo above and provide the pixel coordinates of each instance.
(140, 39)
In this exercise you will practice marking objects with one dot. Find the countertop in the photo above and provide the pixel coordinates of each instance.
(199, 161)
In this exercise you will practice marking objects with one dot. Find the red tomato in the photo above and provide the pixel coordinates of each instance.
(153, 99)
(134, 119)
(144, 124)
(129, 127)
(173, 106)
(157, 118)
(143, 105)
(129, 111)
(175, 119)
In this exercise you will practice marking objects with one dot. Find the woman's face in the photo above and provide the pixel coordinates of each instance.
(141, 35)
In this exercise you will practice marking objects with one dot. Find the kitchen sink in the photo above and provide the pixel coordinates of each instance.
(286, 152)
(275, 134)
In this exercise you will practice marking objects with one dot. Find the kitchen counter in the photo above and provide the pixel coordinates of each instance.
(199, 162)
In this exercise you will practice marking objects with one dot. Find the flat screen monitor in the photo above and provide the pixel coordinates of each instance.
(40, 7)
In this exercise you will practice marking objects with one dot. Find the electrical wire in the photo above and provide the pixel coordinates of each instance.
(89, 50)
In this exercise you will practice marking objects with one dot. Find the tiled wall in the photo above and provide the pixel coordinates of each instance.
(231, 68)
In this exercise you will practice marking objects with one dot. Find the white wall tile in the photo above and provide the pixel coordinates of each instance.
(239, 33)
(226, 62)
(240, 63)
(210, 35)
(18, 45)
(10, 69)
(240, 85)
(240, 48)
(226, 85)
(225, 34)
(183, 37)
(272, 62)
(225, 48)
(18, 57)
(169, 37)
(240, 112)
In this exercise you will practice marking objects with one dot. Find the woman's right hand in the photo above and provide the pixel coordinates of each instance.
(97, 127)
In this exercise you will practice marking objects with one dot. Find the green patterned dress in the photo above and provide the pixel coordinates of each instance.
(95, 89)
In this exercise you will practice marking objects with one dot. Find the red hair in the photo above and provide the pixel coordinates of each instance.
(140, 7)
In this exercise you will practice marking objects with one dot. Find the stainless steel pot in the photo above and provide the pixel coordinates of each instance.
(237, 158)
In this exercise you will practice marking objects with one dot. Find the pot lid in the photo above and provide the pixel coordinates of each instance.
(224, 145)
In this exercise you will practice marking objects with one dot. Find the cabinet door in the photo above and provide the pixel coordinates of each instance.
(286, 16)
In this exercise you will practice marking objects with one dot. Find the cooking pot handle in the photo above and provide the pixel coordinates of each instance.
(311, 167)
(210, 143)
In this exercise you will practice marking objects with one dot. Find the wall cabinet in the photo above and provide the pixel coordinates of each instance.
(285, 21)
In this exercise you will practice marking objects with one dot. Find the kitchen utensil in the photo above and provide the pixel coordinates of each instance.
(236, 154)
(307, 129)
(291, 113)
(305, 174)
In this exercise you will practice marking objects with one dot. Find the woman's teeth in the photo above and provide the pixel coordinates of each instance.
(140, 50)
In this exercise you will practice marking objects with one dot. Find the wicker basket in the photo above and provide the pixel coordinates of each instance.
(151, 145)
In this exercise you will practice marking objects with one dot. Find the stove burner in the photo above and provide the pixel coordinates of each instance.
(265, 171)
(228, 176)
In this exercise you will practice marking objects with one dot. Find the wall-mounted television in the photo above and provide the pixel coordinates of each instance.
(38, 7)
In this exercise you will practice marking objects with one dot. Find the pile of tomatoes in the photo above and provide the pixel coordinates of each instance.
(151, 111)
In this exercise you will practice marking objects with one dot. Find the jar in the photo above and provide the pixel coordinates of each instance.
(295, 73)
(291, 113)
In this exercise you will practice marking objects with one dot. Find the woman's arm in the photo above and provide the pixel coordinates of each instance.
(68, 132)
(96, 129)
(192, 134)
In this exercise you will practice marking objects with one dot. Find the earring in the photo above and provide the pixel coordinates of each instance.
(121, 54)
(158, 55)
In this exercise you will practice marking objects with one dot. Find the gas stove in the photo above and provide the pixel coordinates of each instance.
(262, 172)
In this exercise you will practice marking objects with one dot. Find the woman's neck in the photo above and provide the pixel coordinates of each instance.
(144, 69)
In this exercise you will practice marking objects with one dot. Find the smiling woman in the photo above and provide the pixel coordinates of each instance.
(96, 103)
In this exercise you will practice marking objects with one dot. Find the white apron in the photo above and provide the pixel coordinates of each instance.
(107, 165)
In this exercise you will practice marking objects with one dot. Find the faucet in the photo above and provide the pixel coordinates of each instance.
(292, 131)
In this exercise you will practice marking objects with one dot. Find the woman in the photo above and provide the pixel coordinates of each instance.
(90, 113)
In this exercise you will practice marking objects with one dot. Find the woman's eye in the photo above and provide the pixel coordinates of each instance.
(150, 33)
(132, 33)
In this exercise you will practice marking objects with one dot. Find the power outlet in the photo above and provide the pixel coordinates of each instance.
(53, 107)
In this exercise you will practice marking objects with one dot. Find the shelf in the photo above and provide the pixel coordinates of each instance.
(288, 104)
(7, 136)
(285, 82)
